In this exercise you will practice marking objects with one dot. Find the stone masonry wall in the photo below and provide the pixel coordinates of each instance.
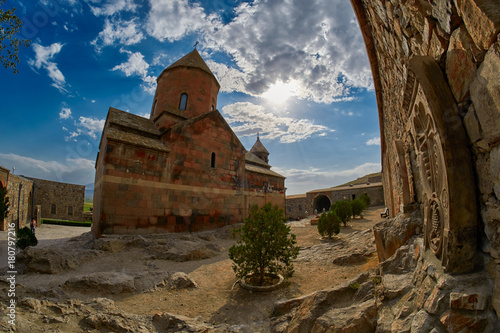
(61, 201)
(462, 38)
(298, 207)
(20, 191)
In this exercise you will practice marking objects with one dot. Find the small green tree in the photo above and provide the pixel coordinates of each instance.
(25, 237)
(343, 210)
(328, 224)
(358, 207)
(365, 198)
(266, 245)
(4, 203)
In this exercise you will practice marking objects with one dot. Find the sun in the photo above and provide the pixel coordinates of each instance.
(280, 91)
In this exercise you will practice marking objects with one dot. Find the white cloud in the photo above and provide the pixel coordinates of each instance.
(136, 65)
(85, 126)
(316, 42)
(373, 142)
(174, 19)
(65, 113)
(304, 180)
(43, 57)
(92, 125)
(113, 6)
(76, 171)
(248, 119)
(124, 32)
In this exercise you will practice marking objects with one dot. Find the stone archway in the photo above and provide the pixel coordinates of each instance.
(321, 202)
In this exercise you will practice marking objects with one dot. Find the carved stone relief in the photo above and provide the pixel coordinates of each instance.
(445, 168)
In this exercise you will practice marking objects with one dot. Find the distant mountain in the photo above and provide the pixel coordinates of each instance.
(363, 180)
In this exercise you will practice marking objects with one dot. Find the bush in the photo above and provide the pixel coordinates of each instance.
(328, 224)
(266, 245)
(343, 210)
(358, 207)
(365, 198)
(25, 238)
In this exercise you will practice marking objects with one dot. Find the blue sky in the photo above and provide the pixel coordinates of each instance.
(294, 71)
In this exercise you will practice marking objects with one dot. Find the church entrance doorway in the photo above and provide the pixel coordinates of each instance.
(322, 202)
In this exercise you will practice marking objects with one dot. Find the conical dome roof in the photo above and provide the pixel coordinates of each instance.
(258, 147)
(192, 59)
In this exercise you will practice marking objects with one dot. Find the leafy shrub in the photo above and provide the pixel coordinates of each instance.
(358, 207)
(265, 247)
(328, 224)
(343, 210)
(25, 237)
(365, 198)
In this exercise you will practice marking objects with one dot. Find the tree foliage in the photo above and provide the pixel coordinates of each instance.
(358, 207)
(343, 210)
(9, 43)
(365, 198)
(266, 245)
(4, 203)
(328, 224)
(25, 237)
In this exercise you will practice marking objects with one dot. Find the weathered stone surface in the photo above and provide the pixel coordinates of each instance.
(401, 262)
(303, 314)
(468, 301)
(356, 318)
(424, 291)
(109, 244)
(495, 169)
(485, 94)
(117, 282)
(460, 66)
(482, 22)
(182, 251)
(181, 280)
(393, 233)
(472, 125)
(105, 282)
(455, 321)
(435, 302)
(52, 261)
(423, 322)
(396, 285)
(167, 322)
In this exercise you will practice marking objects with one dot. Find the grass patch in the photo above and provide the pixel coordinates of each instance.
(87, 206)
(70, 223)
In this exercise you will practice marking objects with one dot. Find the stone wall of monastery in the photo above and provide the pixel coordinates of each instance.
(436, 69)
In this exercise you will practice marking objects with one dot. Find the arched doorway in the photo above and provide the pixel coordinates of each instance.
(322, 202)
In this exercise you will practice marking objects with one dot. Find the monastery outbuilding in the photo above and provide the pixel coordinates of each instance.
(184, 169)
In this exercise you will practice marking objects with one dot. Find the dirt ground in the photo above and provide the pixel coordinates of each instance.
(218, 299)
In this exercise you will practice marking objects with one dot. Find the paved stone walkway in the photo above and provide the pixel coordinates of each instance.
(47, 235)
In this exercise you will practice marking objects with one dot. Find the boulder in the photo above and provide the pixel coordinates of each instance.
(391, 234)
(52, 260)
(181, 280)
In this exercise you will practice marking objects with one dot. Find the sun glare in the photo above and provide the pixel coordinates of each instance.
(279, 92)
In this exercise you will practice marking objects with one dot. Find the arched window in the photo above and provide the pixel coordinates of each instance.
(183, 103)
(212, 161)
(53, 209)
(70, 210)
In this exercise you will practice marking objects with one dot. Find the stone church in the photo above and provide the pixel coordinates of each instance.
(183, 169)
